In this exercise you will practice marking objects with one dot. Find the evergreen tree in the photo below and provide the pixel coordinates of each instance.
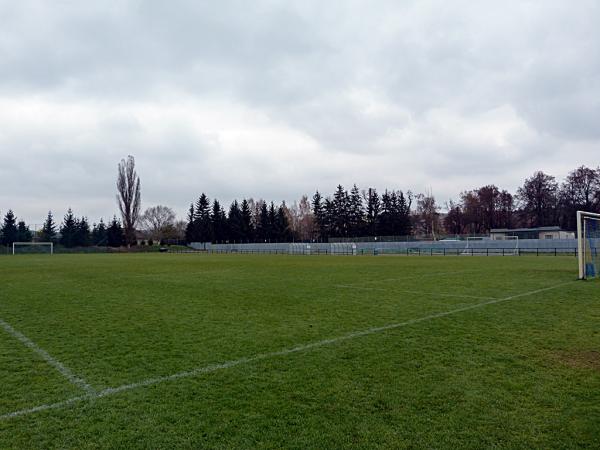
(202, 220)
(373, 205)
(48, 233)
(234, 223)
(9, 232)
(403, 224)
(282, 224)
(99, 234)
(218, 222)
(341, 203)
(82, 233)
(115, 236)
(23, 232)
(272, 222)
(68, 230)
(329, 219)
(262, 226)
(356, 213)
(190, 229)
(246, 220)
(317, 210)
(385, 223)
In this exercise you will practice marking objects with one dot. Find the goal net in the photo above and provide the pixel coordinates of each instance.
(588, 243)
(32, 247)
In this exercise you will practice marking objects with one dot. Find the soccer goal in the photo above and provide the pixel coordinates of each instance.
(513, 247)
(469, 248)
(32, 247)
(588, 241)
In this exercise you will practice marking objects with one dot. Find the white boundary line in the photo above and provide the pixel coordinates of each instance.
(228, 364)
(65, 371)
(406, 291)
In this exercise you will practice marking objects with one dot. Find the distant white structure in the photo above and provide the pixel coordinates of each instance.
(499, 234)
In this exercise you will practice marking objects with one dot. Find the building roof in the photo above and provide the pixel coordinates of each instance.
(524, 230)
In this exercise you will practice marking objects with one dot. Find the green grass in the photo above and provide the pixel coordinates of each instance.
(521, 373)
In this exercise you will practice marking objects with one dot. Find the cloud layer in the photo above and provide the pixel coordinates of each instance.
(276, 99)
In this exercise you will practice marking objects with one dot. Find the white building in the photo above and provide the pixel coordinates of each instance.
(498, 234)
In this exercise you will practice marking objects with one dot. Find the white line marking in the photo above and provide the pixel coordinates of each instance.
(418, 277)
(228, 364)
(65, 371)
(392, 290)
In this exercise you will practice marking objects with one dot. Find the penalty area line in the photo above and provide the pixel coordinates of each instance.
(259, 357)
(64, 370)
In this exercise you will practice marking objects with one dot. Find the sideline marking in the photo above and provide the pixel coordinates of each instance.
(65, 371)
(228, 364)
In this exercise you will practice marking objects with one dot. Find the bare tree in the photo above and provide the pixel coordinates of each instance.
(158, 220)
(128, 196)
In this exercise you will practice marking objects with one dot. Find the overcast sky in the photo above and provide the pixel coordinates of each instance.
(274, 99)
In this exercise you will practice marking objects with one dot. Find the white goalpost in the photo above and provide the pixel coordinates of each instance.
(31, 245)
(588, 243)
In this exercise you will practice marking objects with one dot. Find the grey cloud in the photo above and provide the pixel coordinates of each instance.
(275, 99)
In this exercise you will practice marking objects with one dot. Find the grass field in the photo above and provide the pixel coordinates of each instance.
(197, 351)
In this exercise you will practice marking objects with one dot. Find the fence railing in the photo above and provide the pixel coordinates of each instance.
(417, 251)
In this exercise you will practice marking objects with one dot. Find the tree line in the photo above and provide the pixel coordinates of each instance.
(540, 201)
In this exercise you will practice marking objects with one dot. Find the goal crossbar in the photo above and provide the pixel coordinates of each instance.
(582, 218)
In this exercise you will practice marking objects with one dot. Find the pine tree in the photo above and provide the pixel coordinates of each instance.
(272, 222)
(318, 213)
(48, 233)
(341, 203)
(68, 230)
(202, 219)
(329, 215)
(246, 220)
(9, 232)
(262, 226)
(373, 205)
(82, 233)
(23, 232)
(356, 213)
(404, 224)
(234, 222)
(218, 222)
(115, 236)
(99, 234)
(385, 223)
(282, 224)
(190, 229)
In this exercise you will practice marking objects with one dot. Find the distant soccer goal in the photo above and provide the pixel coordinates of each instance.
(588, 241)
(469, 248)
(32, 247)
